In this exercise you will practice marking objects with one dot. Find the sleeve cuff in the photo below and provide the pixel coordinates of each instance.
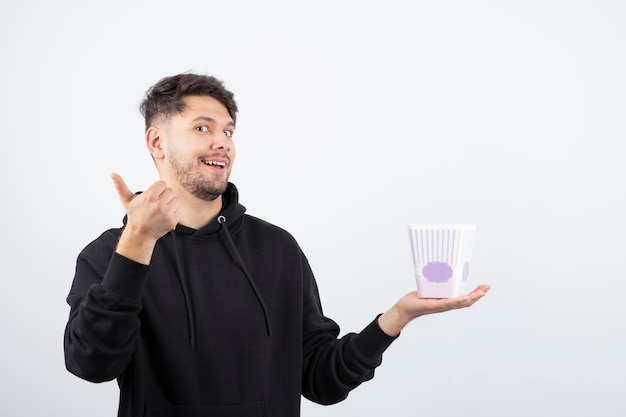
(372, 341)
(125, 277)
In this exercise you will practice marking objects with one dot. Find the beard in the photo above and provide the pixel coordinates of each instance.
(194, 181)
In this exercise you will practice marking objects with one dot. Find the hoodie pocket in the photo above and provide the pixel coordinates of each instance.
(246, 409)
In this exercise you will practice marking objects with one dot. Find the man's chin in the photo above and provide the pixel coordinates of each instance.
(210, 193)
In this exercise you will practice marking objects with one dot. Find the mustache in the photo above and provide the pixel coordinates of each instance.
(220, 155)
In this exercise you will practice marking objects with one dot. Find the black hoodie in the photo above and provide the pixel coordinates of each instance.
(226, 321)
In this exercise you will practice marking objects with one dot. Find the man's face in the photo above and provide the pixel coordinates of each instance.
(198, 147)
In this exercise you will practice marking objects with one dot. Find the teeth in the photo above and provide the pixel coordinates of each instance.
(219, 164)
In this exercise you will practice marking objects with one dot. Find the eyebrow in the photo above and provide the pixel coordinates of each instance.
(210, 120)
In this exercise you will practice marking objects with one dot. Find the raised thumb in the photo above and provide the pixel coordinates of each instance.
(122, 189)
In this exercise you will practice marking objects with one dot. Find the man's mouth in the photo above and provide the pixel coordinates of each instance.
(210, 162)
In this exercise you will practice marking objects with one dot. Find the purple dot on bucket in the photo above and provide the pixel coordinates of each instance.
(437, 272)
(465, 271)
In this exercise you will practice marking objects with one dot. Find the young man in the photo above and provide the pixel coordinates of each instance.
(198, 309)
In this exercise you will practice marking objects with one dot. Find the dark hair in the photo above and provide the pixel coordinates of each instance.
(166, 96)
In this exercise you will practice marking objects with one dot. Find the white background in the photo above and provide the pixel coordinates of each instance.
(356, 119)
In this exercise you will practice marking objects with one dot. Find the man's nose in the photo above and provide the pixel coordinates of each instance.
(221, 141)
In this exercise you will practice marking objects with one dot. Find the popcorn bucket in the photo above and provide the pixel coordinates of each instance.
(441, 258)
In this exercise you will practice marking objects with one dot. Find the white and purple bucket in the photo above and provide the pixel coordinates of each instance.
(441, 258)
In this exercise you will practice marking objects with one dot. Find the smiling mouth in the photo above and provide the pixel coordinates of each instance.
(218, 164)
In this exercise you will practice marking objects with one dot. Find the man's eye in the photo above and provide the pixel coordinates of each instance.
(228, 133)
(202, 128)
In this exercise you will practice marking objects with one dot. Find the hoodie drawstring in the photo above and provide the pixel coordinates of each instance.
(222, 221)
(183, 281)
(183, 284)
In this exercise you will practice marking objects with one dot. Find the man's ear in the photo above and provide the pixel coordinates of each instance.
(154, 142)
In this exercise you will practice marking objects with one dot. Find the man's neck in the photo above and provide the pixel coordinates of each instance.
(197, 213)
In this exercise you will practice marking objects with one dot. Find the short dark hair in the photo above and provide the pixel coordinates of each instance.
(166, 96)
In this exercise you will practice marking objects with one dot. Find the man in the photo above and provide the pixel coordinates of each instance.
(198, 309)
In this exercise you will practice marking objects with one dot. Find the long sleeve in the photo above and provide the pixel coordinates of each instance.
(105, 301)
(333, 367)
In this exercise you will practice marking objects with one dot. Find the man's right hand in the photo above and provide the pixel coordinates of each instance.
(151, 215)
